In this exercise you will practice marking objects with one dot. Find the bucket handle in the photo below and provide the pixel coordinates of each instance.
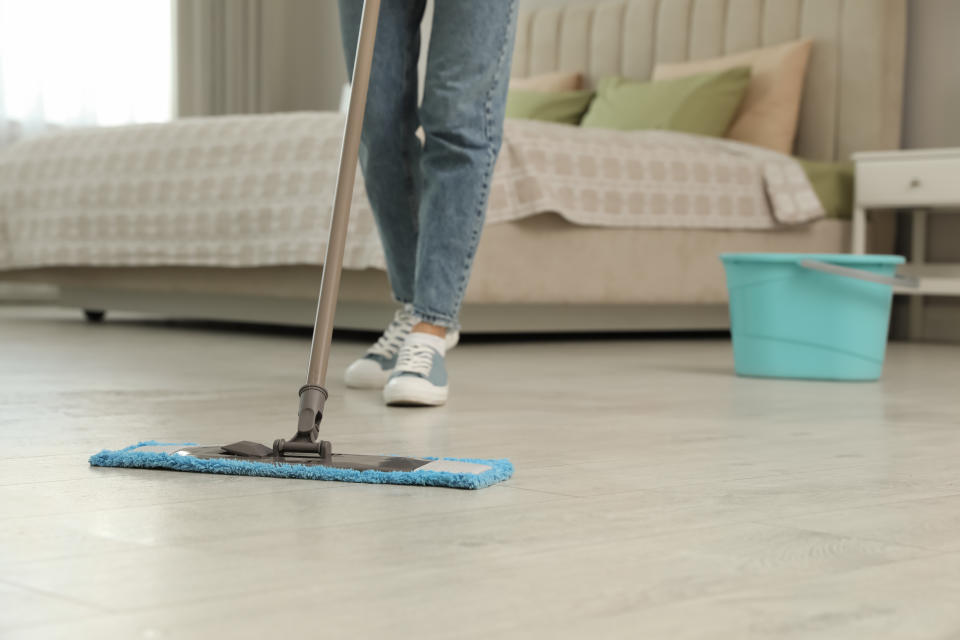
(859, 274)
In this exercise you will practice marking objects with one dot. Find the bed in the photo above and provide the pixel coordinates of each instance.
(542, 266)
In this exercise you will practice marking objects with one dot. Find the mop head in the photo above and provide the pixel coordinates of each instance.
(458, 473)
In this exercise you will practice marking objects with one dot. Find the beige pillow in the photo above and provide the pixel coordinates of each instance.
(556, 81)
(769, 111)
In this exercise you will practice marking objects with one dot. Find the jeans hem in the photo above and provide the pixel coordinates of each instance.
(439, 319)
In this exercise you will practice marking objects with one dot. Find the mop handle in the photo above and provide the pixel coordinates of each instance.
(333, 262)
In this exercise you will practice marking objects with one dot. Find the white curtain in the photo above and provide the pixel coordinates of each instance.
(66, 63)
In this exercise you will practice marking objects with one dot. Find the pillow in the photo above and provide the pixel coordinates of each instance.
(833, 184)
(768, 115)
(704, 103)
(553, 106)
(557, 81)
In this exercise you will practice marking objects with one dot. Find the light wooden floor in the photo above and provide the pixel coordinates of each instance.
(656, 494)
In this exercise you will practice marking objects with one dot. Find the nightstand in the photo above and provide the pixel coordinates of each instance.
(920, 180)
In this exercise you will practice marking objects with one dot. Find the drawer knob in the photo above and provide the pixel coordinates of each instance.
(914, 183)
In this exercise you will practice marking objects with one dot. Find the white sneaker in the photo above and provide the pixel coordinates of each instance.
(420, 377)
(373, 370)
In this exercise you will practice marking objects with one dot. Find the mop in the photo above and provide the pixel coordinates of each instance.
(305, 455)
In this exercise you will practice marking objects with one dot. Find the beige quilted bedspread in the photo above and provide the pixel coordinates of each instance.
(255, 190)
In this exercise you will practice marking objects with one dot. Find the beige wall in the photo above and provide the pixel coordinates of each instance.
(932, 119)
(932, 87)
(258, 56)
(309, 70)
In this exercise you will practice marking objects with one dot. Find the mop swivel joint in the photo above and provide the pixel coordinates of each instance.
(312, 400)
(306, 439)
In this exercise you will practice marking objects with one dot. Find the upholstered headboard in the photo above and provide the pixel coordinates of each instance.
(854, 85)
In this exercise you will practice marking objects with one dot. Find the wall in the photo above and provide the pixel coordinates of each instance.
(931, 108)
(257, 56)
(309, 71)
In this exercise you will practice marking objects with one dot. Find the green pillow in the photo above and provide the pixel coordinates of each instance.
(833, 183)
(553, 106)
(704, 103)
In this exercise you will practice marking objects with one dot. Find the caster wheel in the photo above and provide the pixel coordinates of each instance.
(94, 315)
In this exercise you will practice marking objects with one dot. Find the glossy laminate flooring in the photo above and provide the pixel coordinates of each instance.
(656, 494)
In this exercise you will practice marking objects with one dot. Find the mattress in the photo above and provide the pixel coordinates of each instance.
(253, 190)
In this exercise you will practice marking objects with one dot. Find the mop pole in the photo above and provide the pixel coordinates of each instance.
(313, 395)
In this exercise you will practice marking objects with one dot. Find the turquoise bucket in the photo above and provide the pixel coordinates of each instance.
(812, 316)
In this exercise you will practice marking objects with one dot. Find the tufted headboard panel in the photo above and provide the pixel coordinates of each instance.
(853, 95)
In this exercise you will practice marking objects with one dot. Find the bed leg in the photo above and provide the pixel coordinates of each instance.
(94, 315)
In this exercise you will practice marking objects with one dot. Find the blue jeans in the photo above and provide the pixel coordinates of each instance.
(430, 199)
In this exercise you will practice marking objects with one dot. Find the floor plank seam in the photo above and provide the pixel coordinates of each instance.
(834, 534)
(59, 596)
(871, 505)
(507, 485)
(192, 544)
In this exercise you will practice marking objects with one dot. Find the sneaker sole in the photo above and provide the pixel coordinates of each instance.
(452, 339)
(414, 392)
(366, 375)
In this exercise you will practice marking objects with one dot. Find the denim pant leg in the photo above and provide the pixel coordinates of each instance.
(465, 90)
(389, 148)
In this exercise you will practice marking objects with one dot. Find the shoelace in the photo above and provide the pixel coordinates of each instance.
(392, 339)
(415, 358)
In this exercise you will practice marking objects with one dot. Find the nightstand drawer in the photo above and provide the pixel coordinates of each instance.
(908, 182)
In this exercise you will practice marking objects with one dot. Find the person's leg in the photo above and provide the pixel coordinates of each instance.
(390, 159)
(389, 148)
(465, 90)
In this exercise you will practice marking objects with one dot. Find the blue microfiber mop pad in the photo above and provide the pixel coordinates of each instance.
(131, 458)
